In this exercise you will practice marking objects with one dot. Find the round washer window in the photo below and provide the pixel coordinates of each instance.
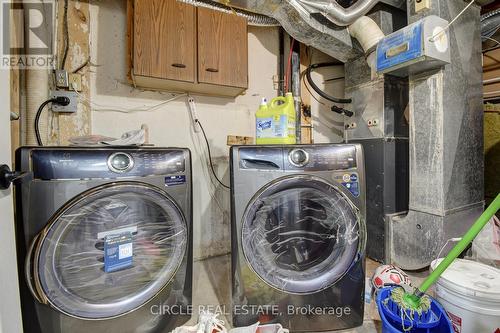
(300, 234)
(110, 250)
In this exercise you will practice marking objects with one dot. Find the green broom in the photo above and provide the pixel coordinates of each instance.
(417, 302)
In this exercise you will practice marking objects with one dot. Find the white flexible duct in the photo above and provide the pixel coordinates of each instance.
(336, 13)
(367, 32)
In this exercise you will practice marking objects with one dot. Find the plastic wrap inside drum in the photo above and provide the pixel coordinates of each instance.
(300, 239)
(149, 235)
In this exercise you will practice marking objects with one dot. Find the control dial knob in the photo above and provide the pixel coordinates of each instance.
(120, 162)
(298, 157)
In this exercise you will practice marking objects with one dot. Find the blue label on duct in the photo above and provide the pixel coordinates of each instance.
(400, 47)
(175, 180)
(353, 187)
(118, 252)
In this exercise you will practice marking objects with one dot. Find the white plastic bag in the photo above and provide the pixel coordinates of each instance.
(486, 246)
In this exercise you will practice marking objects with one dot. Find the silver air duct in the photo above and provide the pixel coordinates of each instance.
(336, 13)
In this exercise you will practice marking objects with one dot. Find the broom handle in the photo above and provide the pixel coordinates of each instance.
(460, 247)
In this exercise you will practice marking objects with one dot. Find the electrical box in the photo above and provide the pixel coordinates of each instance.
(422, 4)
(419, 47)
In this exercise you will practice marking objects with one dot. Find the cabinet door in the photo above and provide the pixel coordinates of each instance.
(222, 48)
(164, 39)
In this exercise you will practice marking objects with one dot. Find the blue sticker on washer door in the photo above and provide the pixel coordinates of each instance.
(118, 252)
(175, 180)
(353, 187)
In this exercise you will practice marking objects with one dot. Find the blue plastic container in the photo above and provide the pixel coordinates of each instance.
(433, 321)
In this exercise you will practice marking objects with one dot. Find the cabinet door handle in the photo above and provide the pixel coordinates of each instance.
(177, 65)
(212, 70)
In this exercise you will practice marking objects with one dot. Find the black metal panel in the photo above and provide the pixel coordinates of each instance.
(387, 188)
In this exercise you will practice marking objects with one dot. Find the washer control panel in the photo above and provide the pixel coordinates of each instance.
(321, 158)
(106, 163)
(298, 157)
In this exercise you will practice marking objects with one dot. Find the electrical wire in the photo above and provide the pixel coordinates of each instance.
(310, 92)
(491, 49)
(433, 38)
(66, 34)
(492, 39)
(210, 155)
(62, 100)
(317, 89)
(100, 107)
(37, 120)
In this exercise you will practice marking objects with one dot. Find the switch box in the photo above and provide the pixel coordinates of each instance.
(422, 4)
(75, 82)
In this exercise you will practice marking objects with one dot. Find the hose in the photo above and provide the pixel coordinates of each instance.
(318, 90)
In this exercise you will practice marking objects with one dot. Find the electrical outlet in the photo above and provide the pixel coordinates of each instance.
(422, 4)
(75, 82)
(73, 101)
(61, 78)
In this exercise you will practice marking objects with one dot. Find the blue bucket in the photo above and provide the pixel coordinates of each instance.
(433, 321)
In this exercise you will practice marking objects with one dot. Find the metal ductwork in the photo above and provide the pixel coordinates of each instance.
(336, 13)
(323, 28)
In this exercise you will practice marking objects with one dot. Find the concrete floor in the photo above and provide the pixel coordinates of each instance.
(212, 288)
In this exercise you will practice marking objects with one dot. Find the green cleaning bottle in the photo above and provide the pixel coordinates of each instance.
(275, 122)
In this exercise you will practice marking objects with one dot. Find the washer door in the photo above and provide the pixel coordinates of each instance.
(300, 234)
(135, 224)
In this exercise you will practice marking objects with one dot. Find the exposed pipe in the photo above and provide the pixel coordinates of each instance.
(281, 63)
(317, 89)
(336, 13)
(37, 88)
(296, 91)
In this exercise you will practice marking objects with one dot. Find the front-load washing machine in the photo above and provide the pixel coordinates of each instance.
(104, 239)
(298, 236)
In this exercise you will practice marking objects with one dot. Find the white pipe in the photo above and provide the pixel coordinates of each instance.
(37, 90)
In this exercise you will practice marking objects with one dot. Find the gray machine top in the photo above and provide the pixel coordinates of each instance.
(298, 157)
(108, 163)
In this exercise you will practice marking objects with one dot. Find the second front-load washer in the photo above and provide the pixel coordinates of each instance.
(298, 236)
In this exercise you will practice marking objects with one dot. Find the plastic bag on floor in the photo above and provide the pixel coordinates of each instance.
(207, 323)
(486, 245)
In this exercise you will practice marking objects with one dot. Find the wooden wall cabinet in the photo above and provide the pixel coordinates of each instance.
(177, 47)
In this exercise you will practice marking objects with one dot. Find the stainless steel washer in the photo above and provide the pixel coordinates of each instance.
(298, 236)
(104, 239)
